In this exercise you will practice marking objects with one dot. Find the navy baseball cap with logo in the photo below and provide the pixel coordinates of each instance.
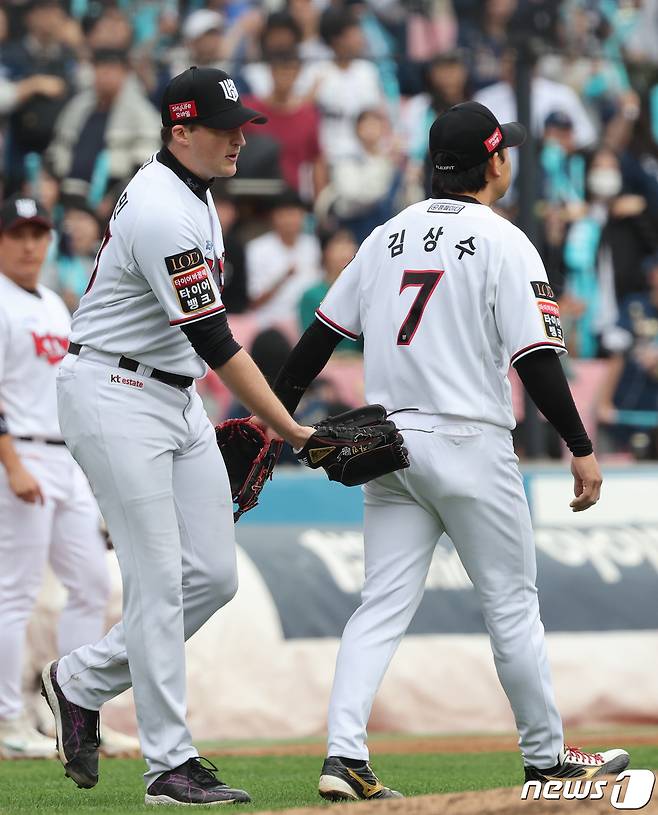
(466, 135)
(20, 209)
(206, 96)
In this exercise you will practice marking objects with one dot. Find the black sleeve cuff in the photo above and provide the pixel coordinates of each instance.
(305, 362)
(212, 339)
(543, 377)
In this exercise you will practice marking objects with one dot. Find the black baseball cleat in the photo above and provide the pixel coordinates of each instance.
(77, 730)
(574, 763)
(338, 782)
(193, 783)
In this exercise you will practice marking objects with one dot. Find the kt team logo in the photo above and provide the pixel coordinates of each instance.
(631, 790)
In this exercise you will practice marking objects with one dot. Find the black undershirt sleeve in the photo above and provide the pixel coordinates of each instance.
(543, 377)
(305, 362)
(212, 339)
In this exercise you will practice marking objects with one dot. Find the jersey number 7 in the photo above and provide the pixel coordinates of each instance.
(426, 280)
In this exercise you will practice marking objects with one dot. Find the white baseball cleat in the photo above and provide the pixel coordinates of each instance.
(574, 763)
(19, 740)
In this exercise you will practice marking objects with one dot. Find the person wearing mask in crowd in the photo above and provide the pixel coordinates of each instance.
(344, 87)
(280, 35)
(104, 133)
(295, 123)
(631, 383)
(282, 263)
(363, 186)
(41, 71)
(604, 249)
(306, 14)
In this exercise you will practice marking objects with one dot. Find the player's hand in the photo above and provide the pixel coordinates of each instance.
(25, 486)
(587, 481)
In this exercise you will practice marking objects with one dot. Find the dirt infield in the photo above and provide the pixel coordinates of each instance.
(490, 802)
(443, 744)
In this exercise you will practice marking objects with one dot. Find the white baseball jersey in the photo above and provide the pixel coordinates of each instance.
(34, 331)
(446, 293)
(158, 267)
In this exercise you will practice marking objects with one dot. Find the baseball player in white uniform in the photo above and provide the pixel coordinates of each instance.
(447, 294)
(47, 511)
(151, 322)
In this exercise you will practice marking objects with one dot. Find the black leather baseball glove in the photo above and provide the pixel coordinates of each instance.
(250, 459)
(355, 446)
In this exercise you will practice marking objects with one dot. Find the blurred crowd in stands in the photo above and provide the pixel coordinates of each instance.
(350, 88)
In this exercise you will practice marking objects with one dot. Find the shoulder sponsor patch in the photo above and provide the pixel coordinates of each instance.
(543, 290)
(184, 261)
(194, 290)
(550, 314)
(448, 209)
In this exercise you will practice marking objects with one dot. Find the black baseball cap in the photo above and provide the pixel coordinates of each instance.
(21, 209)
(466, 135)
(207, 96)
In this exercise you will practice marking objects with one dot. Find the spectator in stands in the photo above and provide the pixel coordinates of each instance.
(445, 85)
(306, 14)
(604, 249)
(629, 396)
(42, 57)
(111, 30)
(282, 263)
(563, 170)
(338, 249)
(104, 133)
(295, 124)
(363, 186)
(344, 87)
(548, 96)
(78, 245)
(234, 291)
(484, 40)
(281, 35)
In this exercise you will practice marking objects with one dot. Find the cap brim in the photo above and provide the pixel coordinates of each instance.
(236, 117)
(39, 220)
(514, 134)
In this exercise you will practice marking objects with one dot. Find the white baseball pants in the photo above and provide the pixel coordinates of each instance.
(151, 457)
(463, 480)
(64, 531)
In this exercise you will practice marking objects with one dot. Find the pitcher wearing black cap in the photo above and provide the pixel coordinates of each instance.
(150, 322)
(447, 294)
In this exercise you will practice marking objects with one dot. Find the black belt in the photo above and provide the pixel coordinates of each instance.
(175, 380)
(43, 441)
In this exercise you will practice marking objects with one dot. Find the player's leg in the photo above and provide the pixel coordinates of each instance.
(486, 514)
(24, 538)
(399, 538)
(130, 470)
(78, 556)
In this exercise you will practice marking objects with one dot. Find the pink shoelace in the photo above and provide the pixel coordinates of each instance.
(584, 758)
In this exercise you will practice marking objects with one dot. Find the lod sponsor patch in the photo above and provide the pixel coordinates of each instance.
(194, 290)
(184, 261)
(448, 209)
(551, 317)
(543, 290)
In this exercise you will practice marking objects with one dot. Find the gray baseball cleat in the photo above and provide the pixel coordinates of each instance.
(338, 782)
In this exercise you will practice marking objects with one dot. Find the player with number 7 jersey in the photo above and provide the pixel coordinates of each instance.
(447, 294)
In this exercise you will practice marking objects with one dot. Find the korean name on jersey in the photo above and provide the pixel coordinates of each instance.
(447, 294)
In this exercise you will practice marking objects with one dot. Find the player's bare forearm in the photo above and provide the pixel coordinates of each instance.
(242, 376)
(9, 458)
